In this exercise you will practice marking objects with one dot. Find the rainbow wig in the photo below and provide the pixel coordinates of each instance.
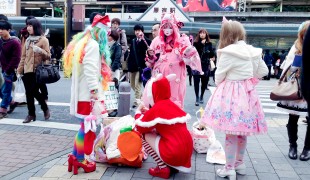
(75, 52)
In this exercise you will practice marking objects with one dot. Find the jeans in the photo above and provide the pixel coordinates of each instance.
(6, 90)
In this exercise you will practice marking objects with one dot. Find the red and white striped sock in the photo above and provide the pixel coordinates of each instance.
(161, 164)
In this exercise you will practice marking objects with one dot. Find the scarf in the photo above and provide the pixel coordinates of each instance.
(31, 39)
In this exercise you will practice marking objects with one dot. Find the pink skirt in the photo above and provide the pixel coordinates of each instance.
(235, 108)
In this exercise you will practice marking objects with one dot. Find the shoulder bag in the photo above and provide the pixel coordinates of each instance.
(287, 88)
(47, 73)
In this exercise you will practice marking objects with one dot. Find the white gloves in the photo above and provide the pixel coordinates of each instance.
(36, 49)
(19, 76)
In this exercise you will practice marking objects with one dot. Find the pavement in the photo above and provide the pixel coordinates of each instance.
(39, 150)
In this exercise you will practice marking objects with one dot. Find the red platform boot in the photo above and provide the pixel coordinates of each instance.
(87, 166)
(71, 159)
(160, 172)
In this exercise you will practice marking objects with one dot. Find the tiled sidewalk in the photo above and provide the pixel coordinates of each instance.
(266, 159)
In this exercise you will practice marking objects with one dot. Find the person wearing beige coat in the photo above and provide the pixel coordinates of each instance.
(35, 51)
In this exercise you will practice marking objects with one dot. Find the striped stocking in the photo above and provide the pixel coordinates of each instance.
(161, 164)
(78, 149)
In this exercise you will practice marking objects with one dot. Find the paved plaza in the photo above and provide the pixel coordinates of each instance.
(39, 150)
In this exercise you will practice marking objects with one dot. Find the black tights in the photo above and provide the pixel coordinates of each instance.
(204, 83)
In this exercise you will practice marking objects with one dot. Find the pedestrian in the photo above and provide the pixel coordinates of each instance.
(170, 54)
(234, 108)
(23, 35)
(10, 53)
(35, 52)
(122, 40)
(116, 54)
(87, 60)
(268, 60)
(136, 62)
(299, 107)
(5, 18)
(204, 47)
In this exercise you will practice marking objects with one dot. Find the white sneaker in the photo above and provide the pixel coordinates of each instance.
(231, 174)
(241, 169)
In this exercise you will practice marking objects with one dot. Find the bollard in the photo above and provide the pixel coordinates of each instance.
(124, 99)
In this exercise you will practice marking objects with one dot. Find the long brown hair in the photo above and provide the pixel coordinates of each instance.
(300, 37)
(198, 39)
(231, 32)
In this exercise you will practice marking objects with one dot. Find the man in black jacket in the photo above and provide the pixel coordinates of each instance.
(136, 62)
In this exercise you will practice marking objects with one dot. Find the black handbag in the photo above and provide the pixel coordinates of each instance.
(47, 74)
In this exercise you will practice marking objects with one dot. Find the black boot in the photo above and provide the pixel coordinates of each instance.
(201, 100)
(292, 130)
(197, 101)
(305, 155)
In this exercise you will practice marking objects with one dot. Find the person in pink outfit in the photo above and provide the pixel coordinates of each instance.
(168, 54)
(234, 108)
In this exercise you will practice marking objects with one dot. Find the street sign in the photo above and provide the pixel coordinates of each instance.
(8, 7)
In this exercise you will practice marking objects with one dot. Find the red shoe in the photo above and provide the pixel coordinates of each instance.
(87, 166)
(71, 159)
(160, 172)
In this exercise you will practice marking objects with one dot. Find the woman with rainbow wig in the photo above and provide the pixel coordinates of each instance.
(87, 60)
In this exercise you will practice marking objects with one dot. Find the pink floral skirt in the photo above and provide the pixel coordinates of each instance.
(235, 108)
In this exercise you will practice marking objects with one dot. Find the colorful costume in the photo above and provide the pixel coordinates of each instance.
(174, 143)
(173, 58)
(87, 60)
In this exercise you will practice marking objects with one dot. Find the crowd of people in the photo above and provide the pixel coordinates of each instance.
(100, 55)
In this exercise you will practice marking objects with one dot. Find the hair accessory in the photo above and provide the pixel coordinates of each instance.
(101, 21)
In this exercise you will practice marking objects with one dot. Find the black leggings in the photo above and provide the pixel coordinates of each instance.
(204, 83)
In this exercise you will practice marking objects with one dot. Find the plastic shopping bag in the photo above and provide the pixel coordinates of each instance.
(20, 93)
(216, 153)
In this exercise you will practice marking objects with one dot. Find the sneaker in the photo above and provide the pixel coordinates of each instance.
(230, 173)
(12, 107)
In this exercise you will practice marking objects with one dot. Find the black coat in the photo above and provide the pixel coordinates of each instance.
(305, 73)
(205, 52)
(116, 54)
(140, 52)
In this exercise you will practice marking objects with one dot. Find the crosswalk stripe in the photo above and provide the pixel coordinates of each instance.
(47, 124)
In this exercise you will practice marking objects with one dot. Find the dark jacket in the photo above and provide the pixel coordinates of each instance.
(305, 73)
(116, 54)
(268, 59)
(205, 52)
(10, 54)
(140, 52)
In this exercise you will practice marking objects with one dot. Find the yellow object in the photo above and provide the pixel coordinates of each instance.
(201, 111)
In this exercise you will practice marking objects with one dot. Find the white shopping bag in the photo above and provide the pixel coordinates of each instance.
(20, 93)
(216, 154)
(203, 138)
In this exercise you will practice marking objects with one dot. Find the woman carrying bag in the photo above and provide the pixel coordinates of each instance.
(296, 108)
(35, 51)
